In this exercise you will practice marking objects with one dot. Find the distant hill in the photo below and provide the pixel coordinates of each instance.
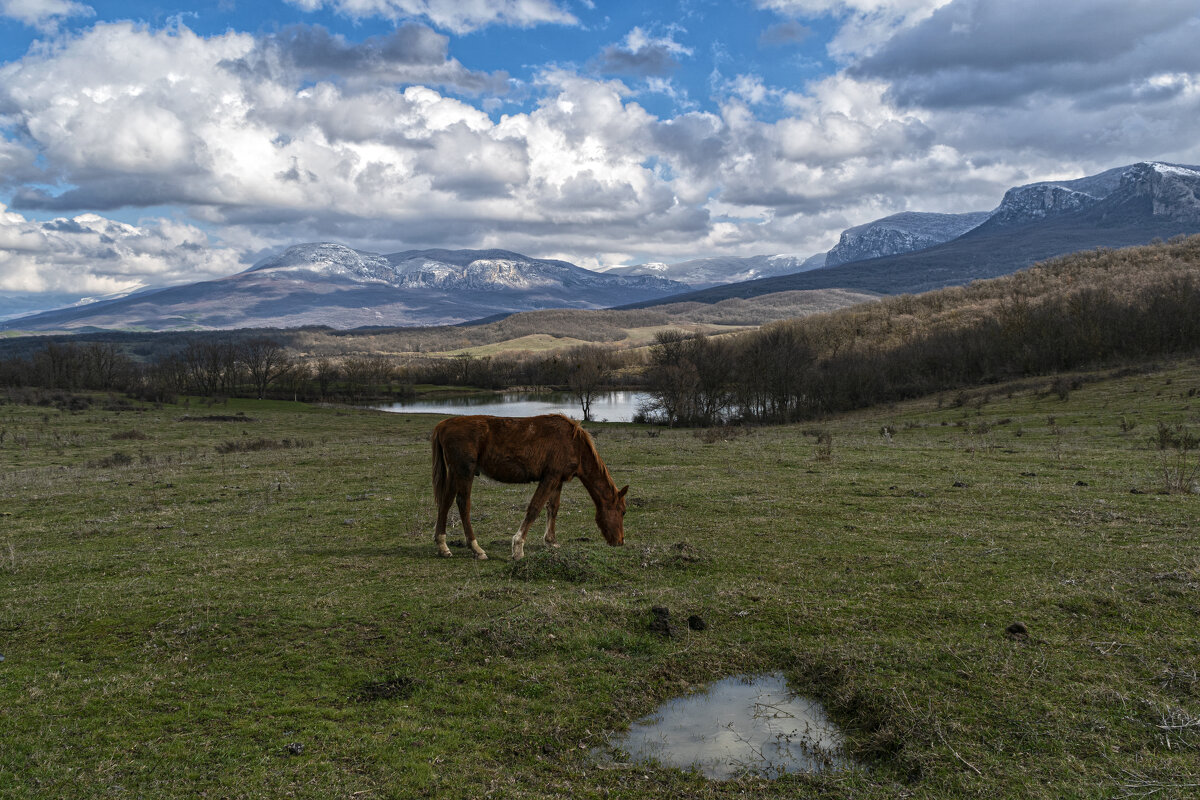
(336, 286)
(1118, 208)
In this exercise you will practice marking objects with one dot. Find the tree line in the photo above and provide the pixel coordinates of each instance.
(263, 367)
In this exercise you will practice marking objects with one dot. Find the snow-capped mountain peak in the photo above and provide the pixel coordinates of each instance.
(327, 259)
(1173, 169)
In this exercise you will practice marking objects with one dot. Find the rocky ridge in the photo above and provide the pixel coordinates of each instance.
(900, 233)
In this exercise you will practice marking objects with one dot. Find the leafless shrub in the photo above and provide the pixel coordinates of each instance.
(1179, 458)
(824, 448)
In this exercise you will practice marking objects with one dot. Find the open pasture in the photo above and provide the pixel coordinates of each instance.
(244, 600)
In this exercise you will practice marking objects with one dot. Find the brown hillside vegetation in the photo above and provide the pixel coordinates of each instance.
(605, 326)
(1077, 283)
(1068, 313)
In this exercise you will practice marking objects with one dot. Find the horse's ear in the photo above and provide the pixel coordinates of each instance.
(623, 491)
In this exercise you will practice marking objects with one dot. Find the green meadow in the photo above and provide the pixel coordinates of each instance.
(996, 593)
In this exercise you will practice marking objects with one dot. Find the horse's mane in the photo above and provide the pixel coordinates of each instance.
(586, 441)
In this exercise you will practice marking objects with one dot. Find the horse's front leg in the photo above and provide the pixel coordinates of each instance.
(552, 515)
(549, 487)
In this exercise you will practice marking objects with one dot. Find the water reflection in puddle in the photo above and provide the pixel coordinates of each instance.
(744, 724)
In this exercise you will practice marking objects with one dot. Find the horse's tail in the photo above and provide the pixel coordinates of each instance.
(441, 477)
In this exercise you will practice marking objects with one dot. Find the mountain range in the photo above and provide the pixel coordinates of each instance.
(1118, 208)
(336, 286)
(700, 273)
(333, 285)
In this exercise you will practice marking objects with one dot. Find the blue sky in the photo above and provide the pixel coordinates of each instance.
(150, 143)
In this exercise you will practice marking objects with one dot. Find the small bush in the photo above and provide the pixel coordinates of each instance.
(1177, 437)
(824, 449)
(1179, 470)
(253, 445)
(117, 459)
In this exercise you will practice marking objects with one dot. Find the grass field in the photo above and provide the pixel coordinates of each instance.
(243, 600)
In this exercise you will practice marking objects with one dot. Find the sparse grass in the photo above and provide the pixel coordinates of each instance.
(275, 622)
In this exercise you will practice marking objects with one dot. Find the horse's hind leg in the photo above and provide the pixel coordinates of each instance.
(464, 512)
(552, 515)
(549, 487)
(443, 511)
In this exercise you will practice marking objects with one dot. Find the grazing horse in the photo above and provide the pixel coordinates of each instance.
(550, 449)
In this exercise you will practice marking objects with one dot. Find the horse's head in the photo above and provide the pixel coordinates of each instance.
(610, 517)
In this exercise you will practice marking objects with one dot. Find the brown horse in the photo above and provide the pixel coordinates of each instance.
(550, 449)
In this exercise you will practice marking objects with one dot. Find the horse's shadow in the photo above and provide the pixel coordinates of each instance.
(405, 550)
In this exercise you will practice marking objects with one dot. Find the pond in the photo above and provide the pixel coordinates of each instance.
(744, 724)
(607, 407)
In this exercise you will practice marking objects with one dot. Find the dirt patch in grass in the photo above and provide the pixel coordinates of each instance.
(117, 459)
(238, 417)
(397, 687)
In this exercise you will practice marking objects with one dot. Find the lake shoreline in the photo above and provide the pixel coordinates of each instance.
(614, 406)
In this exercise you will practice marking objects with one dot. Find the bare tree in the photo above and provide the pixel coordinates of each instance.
(265, 360)
(211, 366)
(671, 376)
(364, 374)
(104, 365)
(326, 372)
(589, 370)
(58, 366)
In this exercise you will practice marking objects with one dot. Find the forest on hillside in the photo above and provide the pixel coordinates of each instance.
(1087, 309)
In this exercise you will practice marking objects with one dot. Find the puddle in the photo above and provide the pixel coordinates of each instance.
(744, 724)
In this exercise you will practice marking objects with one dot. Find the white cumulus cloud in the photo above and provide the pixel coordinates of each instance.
(43, 14)
(458, 16)
(89, 254)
